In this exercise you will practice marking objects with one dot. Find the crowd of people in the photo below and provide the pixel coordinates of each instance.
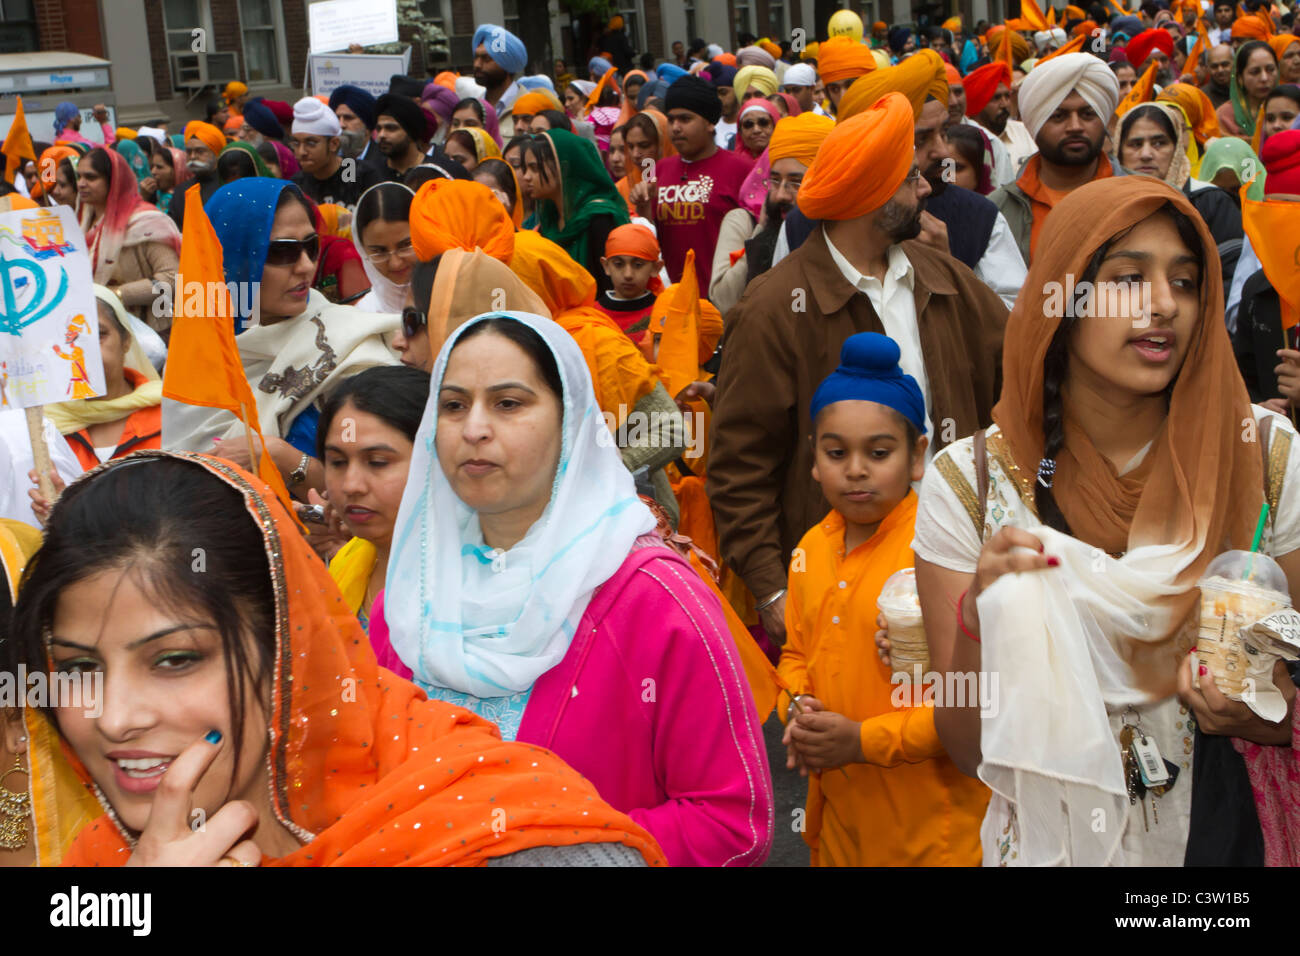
(607, 406)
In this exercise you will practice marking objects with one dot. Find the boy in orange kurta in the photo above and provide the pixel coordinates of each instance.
(881, 790)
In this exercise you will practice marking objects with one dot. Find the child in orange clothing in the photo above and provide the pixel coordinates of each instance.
(881, 791)
(632, 263)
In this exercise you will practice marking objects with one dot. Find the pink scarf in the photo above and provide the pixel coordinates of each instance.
(127, 221)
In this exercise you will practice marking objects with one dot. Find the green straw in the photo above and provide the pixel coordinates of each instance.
(1254, 544)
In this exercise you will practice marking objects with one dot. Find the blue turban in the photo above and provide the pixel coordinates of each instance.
(720, 74)
(657, 89)
(670, 71)
(242, 214)
(502, 46)
(259, 116)
(539, 81)
(64, 114)
(357, 100)
(898, 37)
(598, 66)
(869, 372)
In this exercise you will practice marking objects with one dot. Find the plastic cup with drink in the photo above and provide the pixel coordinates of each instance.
(909, 652)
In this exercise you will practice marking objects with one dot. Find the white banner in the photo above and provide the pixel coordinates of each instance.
(335, 24)
(49, 325)
(370, 71)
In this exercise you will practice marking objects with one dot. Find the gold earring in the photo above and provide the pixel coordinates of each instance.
(15, 811)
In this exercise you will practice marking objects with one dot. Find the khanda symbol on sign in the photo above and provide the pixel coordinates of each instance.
(13, 317)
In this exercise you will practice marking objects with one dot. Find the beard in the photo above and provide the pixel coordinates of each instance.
(396, 147)
(491, 77)
(1055, 153)
(900, 222)
(996, 122)
(351, 143)
(776, 212)
(200, 169)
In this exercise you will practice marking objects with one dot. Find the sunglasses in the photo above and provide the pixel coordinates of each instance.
(756, 124)
(285, 252)
(413, 321)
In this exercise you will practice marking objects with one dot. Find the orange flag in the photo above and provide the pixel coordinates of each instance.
(1074, 46)
(1202, 45)
(18, 144)
(1270, 224)
(1143, 90)
(1118, 9)
(606, 78)
(679, 331)
(1005, 53)
(1030, 13)
(203, 366)
(1051, 16)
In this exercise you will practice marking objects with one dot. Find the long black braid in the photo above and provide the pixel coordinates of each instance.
(1056, 365)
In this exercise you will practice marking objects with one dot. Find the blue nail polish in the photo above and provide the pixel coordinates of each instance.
(213, 736)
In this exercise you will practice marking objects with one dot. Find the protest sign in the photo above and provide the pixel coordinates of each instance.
(337, 24)
(49, 325)
(370, 71)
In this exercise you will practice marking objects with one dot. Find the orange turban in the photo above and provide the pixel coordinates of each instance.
(920, 76)
(234, 123)
(533, 102)
(1249, 27)
(446, 78)
(1198, 109)
(460, 214)
(953, 75)
(842, 58)
(1084, 29)
(862, 163)
(632, 240)
(210, 136)
(1074, 13)
(1019, 45)
(727, 58)
(880, 26)
(1281, 43)
(982, 83)
(770, 48)
(1146, 43)
(799, 137)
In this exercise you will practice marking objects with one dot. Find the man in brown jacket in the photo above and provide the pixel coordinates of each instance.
(861, 271)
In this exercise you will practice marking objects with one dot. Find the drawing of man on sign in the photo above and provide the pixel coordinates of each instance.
(79, 385)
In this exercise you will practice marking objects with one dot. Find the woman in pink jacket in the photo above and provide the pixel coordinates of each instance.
(526, 584)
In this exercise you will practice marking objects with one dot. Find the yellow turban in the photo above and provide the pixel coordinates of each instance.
(952, 23)
(234, 90)
(799, 137)
(810, 51)
(534, 101)
(125, 132)
(772, 49)
(1019, 45)
(922, 74)
(759, 76)
(843, 59)
(881, 58)
(861, 163)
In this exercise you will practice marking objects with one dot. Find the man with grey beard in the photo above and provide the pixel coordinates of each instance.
(203, 142)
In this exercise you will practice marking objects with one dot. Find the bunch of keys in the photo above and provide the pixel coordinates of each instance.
(1144, 769)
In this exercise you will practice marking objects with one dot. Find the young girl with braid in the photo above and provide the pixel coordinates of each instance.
(1058, 552)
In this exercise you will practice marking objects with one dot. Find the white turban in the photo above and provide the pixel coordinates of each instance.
(1044, 37)
(467, 89)
(801, 74)
(314, 118)
(715, 51)
(1049, 83)
(152, 132)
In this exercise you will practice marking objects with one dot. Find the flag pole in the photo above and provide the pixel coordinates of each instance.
(40, 451)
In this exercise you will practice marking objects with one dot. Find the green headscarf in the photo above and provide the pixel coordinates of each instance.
(587, 191)
(135, 158)
(1236, 95)
(1231, 152)
(258, 163)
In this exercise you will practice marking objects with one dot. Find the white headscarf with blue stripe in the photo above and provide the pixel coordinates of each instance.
(490, 628)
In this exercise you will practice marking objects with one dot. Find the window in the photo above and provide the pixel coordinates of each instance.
(510, 15)
(437, 12)
(776, 20)
(261, 37)
(180, 19)
(744, 17)
(689, 8)
(630, 11)
(18, 27)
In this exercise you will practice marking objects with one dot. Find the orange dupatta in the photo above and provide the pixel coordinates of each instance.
(365, 770)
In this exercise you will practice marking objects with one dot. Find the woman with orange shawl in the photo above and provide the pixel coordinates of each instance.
(645, 137)
(1115, 473)
(133, 247)
(1287, 48)
(266, 710)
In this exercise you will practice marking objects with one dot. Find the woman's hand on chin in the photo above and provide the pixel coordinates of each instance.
(169, 839)
(1219, 715)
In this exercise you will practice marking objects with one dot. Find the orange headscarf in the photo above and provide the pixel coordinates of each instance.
(1206, 486)
(862, 163)
(1281, 43)
(1196, 107)
(47, 167)
(365, 767)
(628, 109)
(843, 57)
(920, 76)
(460, 214)
(799, 137)
(211, 137)
(632, 240)
(666, 147)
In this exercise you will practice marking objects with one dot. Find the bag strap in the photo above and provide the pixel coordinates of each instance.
(980, 448)
(1276, 451)
(973, 501)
